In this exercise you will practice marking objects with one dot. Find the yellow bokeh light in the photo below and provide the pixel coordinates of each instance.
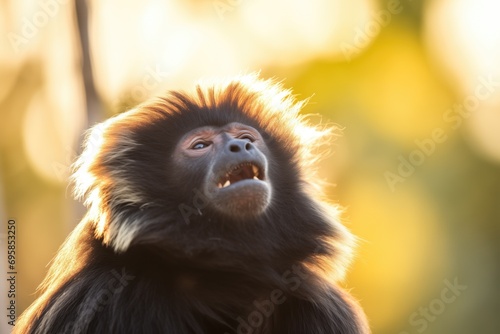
(404, 251)
(464, 37)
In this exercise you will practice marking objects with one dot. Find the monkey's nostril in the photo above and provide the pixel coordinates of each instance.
(248, 146)
(234, 148)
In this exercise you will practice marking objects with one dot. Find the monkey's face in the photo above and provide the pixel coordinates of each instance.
(233, 162)
(175, 173)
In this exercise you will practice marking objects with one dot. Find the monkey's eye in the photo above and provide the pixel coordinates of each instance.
(199, 145)
(247, 136)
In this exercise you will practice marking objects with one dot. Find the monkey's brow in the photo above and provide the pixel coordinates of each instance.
(215, 130)
(206, 130)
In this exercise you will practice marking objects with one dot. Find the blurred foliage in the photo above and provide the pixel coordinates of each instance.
(441, 223)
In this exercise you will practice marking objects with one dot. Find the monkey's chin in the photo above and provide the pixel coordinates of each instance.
(243, 199)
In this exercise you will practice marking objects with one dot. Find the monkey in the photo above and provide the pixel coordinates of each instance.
(204, 215)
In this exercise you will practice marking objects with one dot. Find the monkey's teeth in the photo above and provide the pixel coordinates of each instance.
(255, 178)
(226, 184)
(255, 170)
(219, 185)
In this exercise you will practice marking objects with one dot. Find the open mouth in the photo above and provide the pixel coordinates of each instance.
(240, 172)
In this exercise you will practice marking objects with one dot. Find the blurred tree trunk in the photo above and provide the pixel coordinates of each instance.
(93, 103)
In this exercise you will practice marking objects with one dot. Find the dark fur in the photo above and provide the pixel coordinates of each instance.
(134, 265)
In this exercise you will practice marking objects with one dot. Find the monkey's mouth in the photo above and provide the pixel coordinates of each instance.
(240, 172)
(241, 189)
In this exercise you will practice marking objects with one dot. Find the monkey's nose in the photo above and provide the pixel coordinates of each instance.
(239, 145)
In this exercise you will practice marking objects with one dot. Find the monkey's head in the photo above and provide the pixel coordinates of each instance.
(225, 171)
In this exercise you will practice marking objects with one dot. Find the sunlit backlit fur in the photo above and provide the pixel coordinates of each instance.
(205, 275)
